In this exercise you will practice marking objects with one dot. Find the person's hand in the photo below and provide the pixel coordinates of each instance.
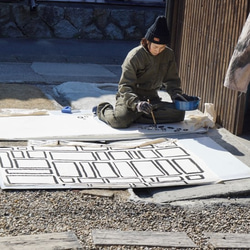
(144, 107)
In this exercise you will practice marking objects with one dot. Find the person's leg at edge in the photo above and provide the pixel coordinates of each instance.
(118, 117)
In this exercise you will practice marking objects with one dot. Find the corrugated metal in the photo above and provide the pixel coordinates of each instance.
(206, 34)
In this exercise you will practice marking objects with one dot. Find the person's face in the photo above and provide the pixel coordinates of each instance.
(156, 49)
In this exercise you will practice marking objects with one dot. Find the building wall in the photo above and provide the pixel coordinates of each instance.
(76, 20)
(206, 34)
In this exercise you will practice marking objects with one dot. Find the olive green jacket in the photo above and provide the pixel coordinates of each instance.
(144, 74)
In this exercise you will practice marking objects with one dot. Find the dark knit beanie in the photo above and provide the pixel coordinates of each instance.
(158, 32)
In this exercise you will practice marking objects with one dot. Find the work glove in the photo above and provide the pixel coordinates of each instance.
(144, 107)
(180, 97)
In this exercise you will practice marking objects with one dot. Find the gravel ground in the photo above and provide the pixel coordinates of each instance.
(37, 212)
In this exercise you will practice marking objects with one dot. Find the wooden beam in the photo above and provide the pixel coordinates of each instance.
(142, 238)
(240, 112)
(229, 240)
(50, 241)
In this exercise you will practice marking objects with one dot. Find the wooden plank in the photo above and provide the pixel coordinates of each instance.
(209, 43)
(50, 241)
(229, 240)
(206, 88)
(225, 31)
(142, 238)
(214, 57)
(221, 19)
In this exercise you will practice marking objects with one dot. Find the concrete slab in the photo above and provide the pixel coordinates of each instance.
(56, 73)
(86, 95)
(236, 145)
(64, 50)
(198, 204)
(18, 73)
(70, 69)
(169, 195)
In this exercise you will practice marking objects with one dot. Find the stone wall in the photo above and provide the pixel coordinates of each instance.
(80, 21)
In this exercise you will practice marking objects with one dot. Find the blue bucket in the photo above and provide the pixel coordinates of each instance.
(192, 104)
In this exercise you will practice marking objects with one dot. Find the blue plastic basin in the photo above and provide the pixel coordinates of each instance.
(192, 104)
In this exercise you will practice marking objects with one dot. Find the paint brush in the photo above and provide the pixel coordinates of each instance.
(153, 116)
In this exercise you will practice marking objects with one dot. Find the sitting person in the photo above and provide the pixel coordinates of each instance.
(146, 69)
